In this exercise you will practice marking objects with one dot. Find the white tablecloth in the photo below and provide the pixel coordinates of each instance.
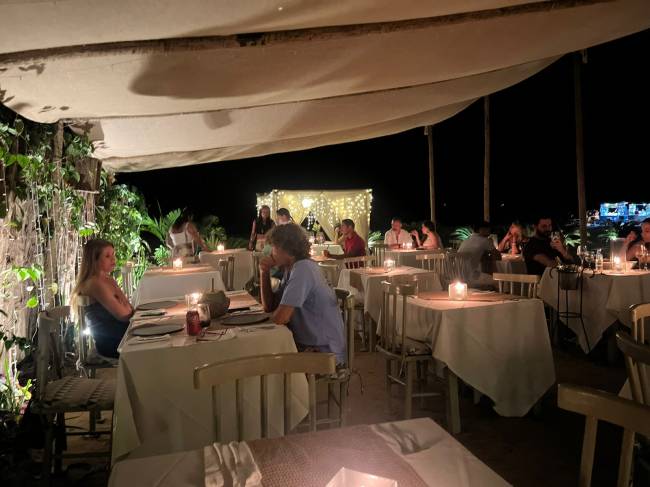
(502, 348)
(367, 287)
(606, 298)
(407, 257)
(437, 458)
(334, 249)
(243, 263)
(158, 411)
(511, 264)
(161, 283)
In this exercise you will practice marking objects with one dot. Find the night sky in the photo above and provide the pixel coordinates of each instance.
(533, 155)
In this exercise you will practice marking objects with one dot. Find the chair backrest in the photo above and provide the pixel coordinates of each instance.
(357, 262)
(85, 342)
(219, 373)
(330, 270)
(256, 265)
(424, 281)
(637, 362)
(597, 405)
(346, 302)
(434, 261)
(640, 319)
(392, 294)
(524, 285)
(378, 251)
(227, 268)
(127, 280)
(49, 357)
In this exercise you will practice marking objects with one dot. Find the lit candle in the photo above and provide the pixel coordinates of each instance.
(408, 245)
(193, 299)
(617, 263)
(312, 239)
(389, 265)
(458, 291)
(221, 248)
(177, 264)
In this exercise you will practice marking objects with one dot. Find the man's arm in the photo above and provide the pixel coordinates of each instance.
(269, 300)
(544, 260)
(283, 314)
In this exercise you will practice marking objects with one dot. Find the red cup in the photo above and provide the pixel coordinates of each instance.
(193, 322)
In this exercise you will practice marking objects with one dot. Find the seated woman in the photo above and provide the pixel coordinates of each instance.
(431, 239)
(183, 238)
(261, 226)
(637, 241)
(513, 242)
(108, 314)
(304, 302)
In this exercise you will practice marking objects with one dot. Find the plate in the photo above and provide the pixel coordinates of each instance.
(249, 319)
(153, 329)
(156, 305)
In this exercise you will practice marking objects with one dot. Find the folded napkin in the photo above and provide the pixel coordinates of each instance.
(158, 338)
(230, 465)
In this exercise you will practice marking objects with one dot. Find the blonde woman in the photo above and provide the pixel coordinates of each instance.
(109, 311)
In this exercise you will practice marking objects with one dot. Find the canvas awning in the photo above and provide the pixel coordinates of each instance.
(168, 83)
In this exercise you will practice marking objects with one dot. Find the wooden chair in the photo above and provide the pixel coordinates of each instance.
(56, 395)
(219, 373)
(637, 363)
(342, 377)
(225, 264)
(527, 284)
(357, 262)
(434, 261)
(640, 320)
(597, 405)
(378, 251)
(424, 281)
(399, 351)
(257, 256)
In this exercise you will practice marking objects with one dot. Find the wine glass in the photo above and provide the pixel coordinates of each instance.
(642, 257)
(556, 236)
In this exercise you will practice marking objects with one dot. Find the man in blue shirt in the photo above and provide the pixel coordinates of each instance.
(304, 302)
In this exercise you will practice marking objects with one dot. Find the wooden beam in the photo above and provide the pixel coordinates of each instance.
(578, 59)
(486, 160)
(428, 130)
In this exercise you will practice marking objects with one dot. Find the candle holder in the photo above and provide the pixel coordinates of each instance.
(389, 265)
(458, 291)
(408, 245)
(177, 263)
(221, 248)
(192, 299)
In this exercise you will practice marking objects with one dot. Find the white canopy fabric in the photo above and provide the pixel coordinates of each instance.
(168, 83)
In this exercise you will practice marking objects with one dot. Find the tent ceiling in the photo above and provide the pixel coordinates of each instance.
(197, 98)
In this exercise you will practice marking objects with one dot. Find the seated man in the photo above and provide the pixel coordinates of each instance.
(396, 236)
(540, 252)
(304, 302)
(353, 245)
(477, 245)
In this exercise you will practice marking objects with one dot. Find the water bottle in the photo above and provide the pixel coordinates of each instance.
(599, 260)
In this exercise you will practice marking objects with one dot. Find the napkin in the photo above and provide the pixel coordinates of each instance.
(230, 465)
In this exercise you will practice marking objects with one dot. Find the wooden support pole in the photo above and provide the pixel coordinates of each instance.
(578, 59)
(486, 160)
(428, 130)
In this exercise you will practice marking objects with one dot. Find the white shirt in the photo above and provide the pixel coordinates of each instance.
(402, 238)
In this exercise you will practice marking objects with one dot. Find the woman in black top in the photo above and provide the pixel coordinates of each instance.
(261, 225)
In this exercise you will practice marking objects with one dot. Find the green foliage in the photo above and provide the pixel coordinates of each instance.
(236, 243)
(159, 227)
(461, 233)
(375, 237)
(213, 234)
(119, 215)
(12, 395)
(161, 255)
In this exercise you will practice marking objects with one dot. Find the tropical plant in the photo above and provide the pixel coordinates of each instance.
(161, 255)
(212, 232)
(375, 237)
(159, 227)
(13, 396)
(236, 243)
(461, 233)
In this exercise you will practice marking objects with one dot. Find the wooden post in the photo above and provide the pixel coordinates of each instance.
(578, 59)
(428, 130)
(486, 160)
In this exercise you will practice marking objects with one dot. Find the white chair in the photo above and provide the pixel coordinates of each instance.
(128, 283)
(508, 284)
(358, 262)
(458, 267)
(219, 373)
(330, 270)
(597, 405)
(401, 353)
(424, 281)
(378, 251)
(56, 395)
(434, 261)
(225, 264)
(640, 320)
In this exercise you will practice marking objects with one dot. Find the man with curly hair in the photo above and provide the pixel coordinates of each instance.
(304, 301)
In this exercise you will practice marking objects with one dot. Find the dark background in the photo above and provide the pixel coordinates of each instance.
(533, 155)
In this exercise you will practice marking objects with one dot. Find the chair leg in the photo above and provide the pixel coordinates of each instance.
(59, 442)
(364, 331)
(47, 451)
(389, 371)
(453, 409)
(408, 400)
(330, 400)
(371, 333)
(343, 403)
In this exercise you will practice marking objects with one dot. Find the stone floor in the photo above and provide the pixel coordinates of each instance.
(539, 449)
